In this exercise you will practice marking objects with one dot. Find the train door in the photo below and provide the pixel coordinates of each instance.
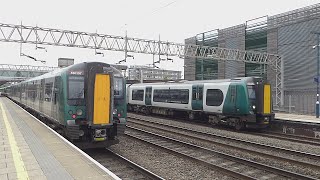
(148, 95)
(233, 98)
(102, 99)
(56, 98)
(41, 96)
(197, 97)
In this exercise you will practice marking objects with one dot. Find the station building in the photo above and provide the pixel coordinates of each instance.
(292, 35)
(142, 73)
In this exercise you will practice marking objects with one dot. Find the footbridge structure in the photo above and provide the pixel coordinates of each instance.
(17, 73)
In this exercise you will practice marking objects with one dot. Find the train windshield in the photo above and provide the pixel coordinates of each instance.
(76, 87)
(251, 92)
(118, 87)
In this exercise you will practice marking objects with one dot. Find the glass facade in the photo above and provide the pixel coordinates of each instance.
(207, 68)
(256, 40)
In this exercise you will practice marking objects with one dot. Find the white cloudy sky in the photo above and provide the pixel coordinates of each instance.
(174, 20)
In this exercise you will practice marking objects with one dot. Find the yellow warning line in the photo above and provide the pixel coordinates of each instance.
(18, 163)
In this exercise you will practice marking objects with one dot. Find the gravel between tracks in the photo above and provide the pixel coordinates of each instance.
(254, 138)
(162, 163)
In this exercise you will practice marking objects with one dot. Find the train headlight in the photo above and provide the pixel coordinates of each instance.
(100, 133)
(253, 107)
(79, 112)
(81, 133)
(70, 112)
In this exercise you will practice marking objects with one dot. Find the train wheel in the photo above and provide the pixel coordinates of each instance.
(191, 116)
(239, 125)
(147, 111)
(213, 120)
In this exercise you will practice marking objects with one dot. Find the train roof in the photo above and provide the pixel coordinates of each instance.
(238, 79)
(54, 73)
(116, 72)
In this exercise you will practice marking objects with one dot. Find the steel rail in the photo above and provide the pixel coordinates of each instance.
(277, 171)
(290, 137)
(295, 152)
(108, 153)
(230, 146)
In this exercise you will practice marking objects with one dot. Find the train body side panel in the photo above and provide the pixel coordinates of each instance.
(219, 97)
(132, 90)
(242, 100)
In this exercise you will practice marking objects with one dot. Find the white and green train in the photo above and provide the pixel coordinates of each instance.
(239, 102)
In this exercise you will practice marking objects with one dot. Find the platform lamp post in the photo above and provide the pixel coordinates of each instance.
(317, 78)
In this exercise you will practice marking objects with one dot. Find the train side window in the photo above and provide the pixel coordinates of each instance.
(137, 95)
(57, 84)
(184, 96)
(178, 96)
(160, 95)
(48, 91)
(214, 97)
(23, 91)
(32, 90)
(174, 96)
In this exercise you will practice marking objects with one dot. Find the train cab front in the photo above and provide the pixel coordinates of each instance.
(260, 100)
(95, 126)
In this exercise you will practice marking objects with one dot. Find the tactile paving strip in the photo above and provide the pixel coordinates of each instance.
(48, 163)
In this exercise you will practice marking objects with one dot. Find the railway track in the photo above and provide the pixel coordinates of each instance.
(212, 139)
(270, 134)
(289, 137)
(231, 165)
(119, 165)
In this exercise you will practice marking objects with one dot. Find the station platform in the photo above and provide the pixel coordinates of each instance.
(303, 125)
(297, 118)
(31, 150)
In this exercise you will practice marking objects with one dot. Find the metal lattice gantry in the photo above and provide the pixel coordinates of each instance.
(23, 71)
(68, 38)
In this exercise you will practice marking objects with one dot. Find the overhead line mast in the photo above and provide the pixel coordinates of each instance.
(58, 37)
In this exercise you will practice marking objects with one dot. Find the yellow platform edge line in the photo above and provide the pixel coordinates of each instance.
(17, 159)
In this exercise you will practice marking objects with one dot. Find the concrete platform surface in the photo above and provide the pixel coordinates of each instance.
(31, 150)
(298, 118)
